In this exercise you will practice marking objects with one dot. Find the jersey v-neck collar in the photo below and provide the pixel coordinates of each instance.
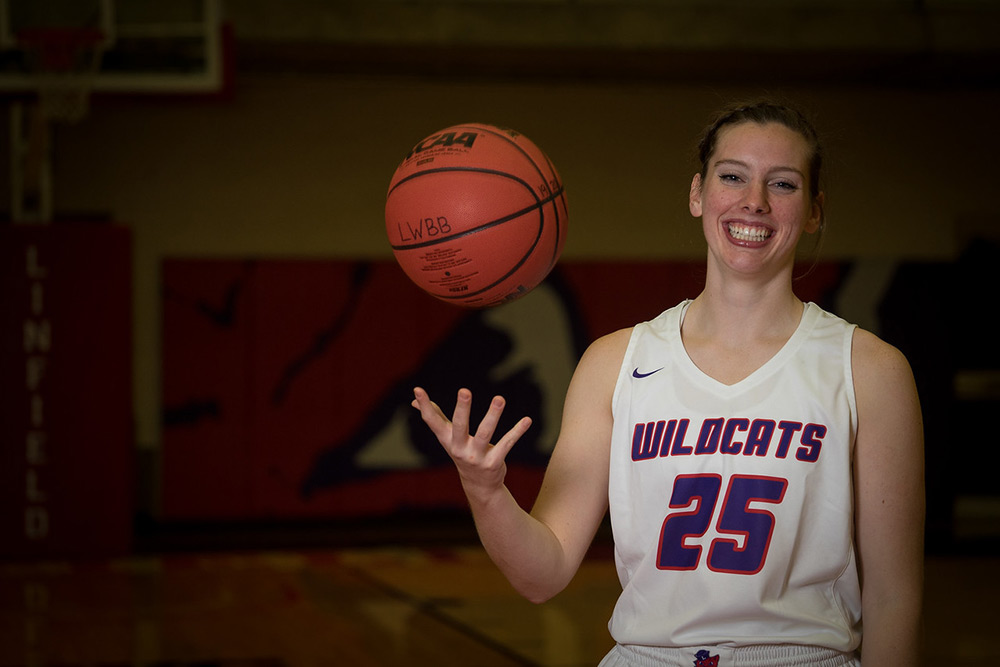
(810, 312)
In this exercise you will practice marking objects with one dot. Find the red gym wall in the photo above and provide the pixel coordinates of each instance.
(287, 383)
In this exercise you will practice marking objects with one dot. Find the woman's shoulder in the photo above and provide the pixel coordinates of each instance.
(609, 348)
(880, 369)
(869, 349)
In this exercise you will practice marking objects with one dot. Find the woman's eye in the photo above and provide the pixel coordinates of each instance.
(785, 185)
(729, 178)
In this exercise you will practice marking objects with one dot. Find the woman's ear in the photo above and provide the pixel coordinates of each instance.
(815, 221)
(694, 197)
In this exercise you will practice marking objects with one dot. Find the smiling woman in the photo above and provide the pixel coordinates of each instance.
(757, 189)
(790, 441)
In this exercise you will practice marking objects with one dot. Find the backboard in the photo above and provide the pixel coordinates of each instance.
(178, 47)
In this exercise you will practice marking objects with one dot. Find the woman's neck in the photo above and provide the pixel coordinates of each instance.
(735, 326)
(746, 307)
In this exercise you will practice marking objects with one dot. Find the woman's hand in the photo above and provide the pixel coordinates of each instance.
(481, 465)
(538, 552)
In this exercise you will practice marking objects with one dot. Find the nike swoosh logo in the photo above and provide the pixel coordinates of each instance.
(637, 374)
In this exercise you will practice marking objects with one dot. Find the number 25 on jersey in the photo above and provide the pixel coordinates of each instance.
(696, 498)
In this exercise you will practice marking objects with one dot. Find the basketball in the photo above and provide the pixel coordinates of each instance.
(476, 215)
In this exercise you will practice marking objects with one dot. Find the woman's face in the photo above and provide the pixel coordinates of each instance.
(754, 200)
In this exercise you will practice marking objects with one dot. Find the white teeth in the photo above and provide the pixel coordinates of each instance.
(748, 233)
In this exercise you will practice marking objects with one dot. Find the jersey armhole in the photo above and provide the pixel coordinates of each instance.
(849, 380)
(623, 369)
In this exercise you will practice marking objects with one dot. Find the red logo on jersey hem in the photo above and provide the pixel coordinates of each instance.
(704, 659)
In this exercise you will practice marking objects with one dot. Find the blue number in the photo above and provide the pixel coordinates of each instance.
(703, 492)
(755, 525)
(695, 496)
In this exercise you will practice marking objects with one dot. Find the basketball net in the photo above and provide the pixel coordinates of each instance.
(63, 64)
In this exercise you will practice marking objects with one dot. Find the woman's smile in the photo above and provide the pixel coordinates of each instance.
(747, 233)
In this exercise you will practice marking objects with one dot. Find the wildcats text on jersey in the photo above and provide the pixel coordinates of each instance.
(735, 435)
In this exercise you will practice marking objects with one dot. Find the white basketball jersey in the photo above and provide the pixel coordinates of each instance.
(732, 505)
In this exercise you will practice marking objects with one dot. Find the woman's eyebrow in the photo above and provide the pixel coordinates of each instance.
(740, 163)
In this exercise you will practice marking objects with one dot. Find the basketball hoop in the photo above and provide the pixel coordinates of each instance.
(63, 63)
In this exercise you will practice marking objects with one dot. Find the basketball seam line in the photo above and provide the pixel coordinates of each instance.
(540, 203)
(480, 170)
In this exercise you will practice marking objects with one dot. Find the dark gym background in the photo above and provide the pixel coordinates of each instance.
(207, 345)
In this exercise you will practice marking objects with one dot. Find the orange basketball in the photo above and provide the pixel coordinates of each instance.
(476, 215)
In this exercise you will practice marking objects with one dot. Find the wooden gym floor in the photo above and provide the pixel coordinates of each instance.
(375, 606)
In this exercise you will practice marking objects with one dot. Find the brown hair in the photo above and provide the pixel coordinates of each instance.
(763, 112)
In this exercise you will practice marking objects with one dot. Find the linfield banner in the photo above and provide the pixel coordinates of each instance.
(66, 444)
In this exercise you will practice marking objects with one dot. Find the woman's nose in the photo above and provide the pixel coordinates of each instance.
(755, 198)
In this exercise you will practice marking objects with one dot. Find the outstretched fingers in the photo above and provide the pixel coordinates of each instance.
(484, 434)
(481, 465)
(487, 427)
(454, 434)
(460, 417)
(432, 414)
(510, 438)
